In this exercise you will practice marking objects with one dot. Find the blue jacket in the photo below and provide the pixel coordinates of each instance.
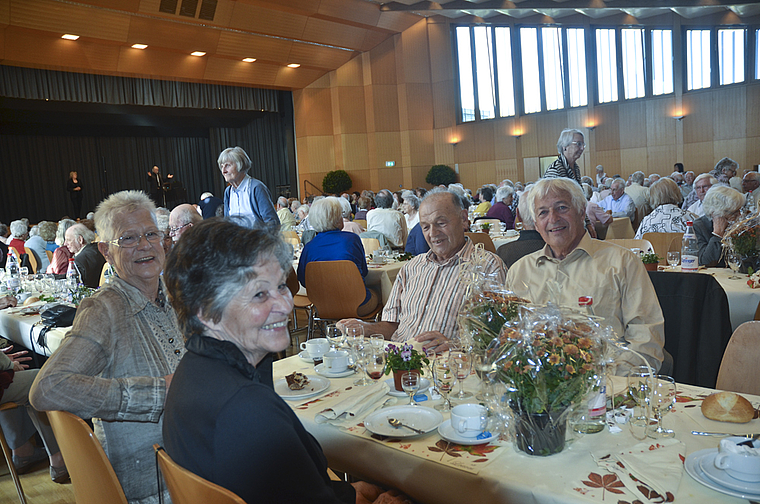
(261, 202)
(416, 243)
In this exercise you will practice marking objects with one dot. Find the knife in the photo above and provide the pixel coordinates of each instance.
(748, 436)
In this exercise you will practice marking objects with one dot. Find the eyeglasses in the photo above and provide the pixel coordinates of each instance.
(131, 241)
(174, 230)
(582, 145)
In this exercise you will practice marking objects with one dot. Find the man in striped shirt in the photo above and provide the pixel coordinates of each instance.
(427, 293)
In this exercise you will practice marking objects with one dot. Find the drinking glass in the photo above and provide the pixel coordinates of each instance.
(518, 225)
(410, 382)
(734, 261)
(377, 341)
(361, 351)
(374, 364)
(674, 258)
(443, 376)
(482, 366)
(23, 271)
(661, 399)
(354, 337)
(461, 364)
(334, 336)
(638, 389)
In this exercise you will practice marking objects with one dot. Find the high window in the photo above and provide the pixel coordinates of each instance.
(662, 61)
(697, 59)
(606, 65)
(731, 55)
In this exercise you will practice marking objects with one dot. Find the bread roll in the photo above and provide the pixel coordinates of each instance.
(727, 407)
(31, 300)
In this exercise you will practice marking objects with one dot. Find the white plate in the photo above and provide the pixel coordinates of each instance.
(419, 417)
(304, 356)
(692, 466)
(424, 384)
(448, 433)
(320, 369)
(721, 477)
(314, 387)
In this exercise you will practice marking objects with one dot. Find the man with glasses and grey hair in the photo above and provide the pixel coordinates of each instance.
(87, 257)
(182, 218)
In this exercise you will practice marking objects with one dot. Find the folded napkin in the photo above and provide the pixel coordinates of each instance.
(364, 401)
(648, 471)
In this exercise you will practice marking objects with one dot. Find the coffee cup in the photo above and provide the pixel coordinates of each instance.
(316, 347)
(740, 462)
(335, 361)
(469, 420)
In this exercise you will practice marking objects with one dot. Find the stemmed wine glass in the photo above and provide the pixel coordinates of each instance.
(638, 389)
(374, 364)
(410, 382)
(377, 341)
(461, 364)
(443, 376)
(734, 261)
(482, 366)
(334, 336)
(661, 399)
(673, 257)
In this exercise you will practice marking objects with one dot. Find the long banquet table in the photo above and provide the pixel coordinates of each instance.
(504, 474)
(742, 299)
(21, 327)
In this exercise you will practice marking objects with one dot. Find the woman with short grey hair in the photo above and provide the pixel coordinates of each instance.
(411, 208)
(18, 235)
(502, 209)
(722, 206)
(570, 146)
(668, 216)
(245, 196)
(333, 244)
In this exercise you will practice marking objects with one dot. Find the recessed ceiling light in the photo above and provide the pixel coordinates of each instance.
(197, 53)
(294, 65)
(68, 36)
(249, 60)
(139, 46)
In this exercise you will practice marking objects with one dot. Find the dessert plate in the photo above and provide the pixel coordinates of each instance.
(315, 386)
(447, 432)
(693, 467)
(419, 417)
(424, 384)
(320, 369)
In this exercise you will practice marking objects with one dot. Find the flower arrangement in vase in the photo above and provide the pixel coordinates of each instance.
(651, 260)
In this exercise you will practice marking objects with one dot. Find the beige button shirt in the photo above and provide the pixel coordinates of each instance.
(614, 276)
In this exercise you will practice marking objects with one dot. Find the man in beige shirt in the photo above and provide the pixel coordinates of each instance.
(427, 294)
(572, 264)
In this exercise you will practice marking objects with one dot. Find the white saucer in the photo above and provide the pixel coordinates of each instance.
(693, 467)
(304, 356)
(447, 432)
(424, 384)
(707, 464)
(320, 369)
(512, 232)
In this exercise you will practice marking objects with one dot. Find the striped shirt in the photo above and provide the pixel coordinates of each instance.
(426, 296)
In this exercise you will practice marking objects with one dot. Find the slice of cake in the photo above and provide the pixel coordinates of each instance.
(297, 381)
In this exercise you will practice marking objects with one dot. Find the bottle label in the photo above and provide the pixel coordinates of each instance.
(689, 263)
(597, 404)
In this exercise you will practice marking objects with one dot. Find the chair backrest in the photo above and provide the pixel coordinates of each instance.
(664, 242)
(103, 274)
(361, 222)
(512, 251)
(335, 288)
(370, 245)
(50, 255)
(630, 243)
(33, 259)
(292, 281)
(378, 236)
(620, 227)
(483, 238)
(739, 371)
(186, 487)
(92, 475)
(294, 242)
(601, 230)
(289, 234)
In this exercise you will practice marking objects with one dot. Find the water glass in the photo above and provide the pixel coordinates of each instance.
(410, 382)
(674, 258)
(361, 351)
(638, 380)
(374, 364)
(443, 376)
(377, 341)
(461, 364)
(334, 336)
(734, 261)
(661, 399)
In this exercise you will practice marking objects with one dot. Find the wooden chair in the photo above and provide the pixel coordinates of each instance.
(739, 371)
(9, 456)
(664, 242)
(50, 256)
(620, 227)
(362, 223)
(483, 238)
(630, 243)
(300, 302)
(290, 234)
(336, 289)
(370, 245)
(33, 259)
(15, 253)
(92, 475)
(103, 274)
(186, 487)
(294, 242)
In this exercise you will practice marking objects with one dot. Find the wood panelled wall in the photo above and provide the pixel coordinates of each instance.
(398, 103)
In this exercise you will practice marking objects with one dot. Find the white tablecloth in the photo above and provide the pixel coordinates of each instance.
(21, 329)
(512, 476)
(742, 300)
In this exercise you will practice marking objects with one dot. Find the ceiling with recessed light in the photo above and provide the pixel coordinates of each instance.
(317, 35)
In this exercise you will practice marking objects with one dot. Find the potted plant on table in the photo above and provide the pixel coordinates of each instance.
(400, 360)
(651, 260)
(485, 227)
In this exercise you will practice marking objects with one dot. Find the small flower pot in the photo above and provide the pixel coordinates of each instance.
(651, 266)
(397, 377)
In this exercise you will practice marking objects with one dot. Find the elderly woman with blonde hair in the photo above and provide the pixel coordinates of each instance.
(116, 364)
(333, 244)
(722, 207)
(667, 217)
